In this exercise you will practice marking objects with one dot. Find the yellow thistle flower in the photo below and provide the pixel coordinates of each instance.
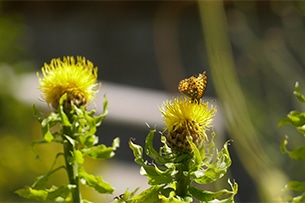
(185, 118)
(77, 79)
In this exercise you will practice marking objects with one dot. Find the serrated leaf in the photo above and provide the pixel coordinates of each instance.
(95, 182)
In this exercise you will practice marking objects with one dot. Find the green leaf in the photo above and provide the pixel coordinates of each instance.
(296, 186)
(157, 176)
(46, 124)
(151, 152)
(125, 196)
(149, 195)
(62, 191)
(137, 152)
(48, 136)
(213, 171)
(99, 152)
(29, 193)
(154, 174)
(78, 156)
(197, 156)
(53, 193)
(296, 118)
(297, 93)
(64, 118)
(297, 153)
(175, 199)
(95, 182)
(221, 195)
(299, 199)
(105, 110)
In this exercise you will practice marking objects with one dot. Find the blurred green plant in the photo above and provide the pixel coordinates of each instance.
(296, 119)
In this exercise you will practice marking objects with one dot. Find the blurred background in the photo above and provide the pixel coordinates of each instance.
(142, 50)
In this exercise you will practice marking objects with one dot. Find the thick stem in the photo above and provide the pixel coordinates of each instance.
(183, 178)
(71, 166)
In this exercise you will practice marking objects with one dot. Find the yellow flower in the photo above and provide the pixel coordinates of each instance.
(77, 79)
(183, 118)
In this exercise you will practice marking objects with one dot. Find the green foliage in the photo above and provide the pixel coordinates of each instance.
(296, 119)
(76, 132)
(171, 174)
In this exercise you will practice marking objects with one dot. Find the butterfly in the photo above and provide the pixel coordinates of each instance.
(194, 86)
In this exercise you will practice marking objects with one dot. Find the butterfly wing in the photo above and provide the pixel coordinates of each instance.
(195, 86)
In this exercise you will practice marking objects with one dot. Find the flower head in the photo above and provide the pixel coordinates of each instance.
(76, 78)
(183, 118)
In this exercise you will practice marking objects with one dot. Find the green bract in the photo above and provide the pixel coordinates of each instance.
(171, 174)
(77, 134)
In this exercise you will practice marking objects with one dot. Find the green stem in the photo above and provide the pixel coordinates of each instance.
(71, 166)
(183, 178)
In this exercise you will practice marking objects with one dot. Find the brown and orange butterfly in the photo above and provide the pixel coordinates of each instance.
(194, 86)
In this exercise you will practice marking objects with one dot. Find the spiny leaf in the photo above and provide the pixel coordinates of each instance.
(102, 151)
(95, 182)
